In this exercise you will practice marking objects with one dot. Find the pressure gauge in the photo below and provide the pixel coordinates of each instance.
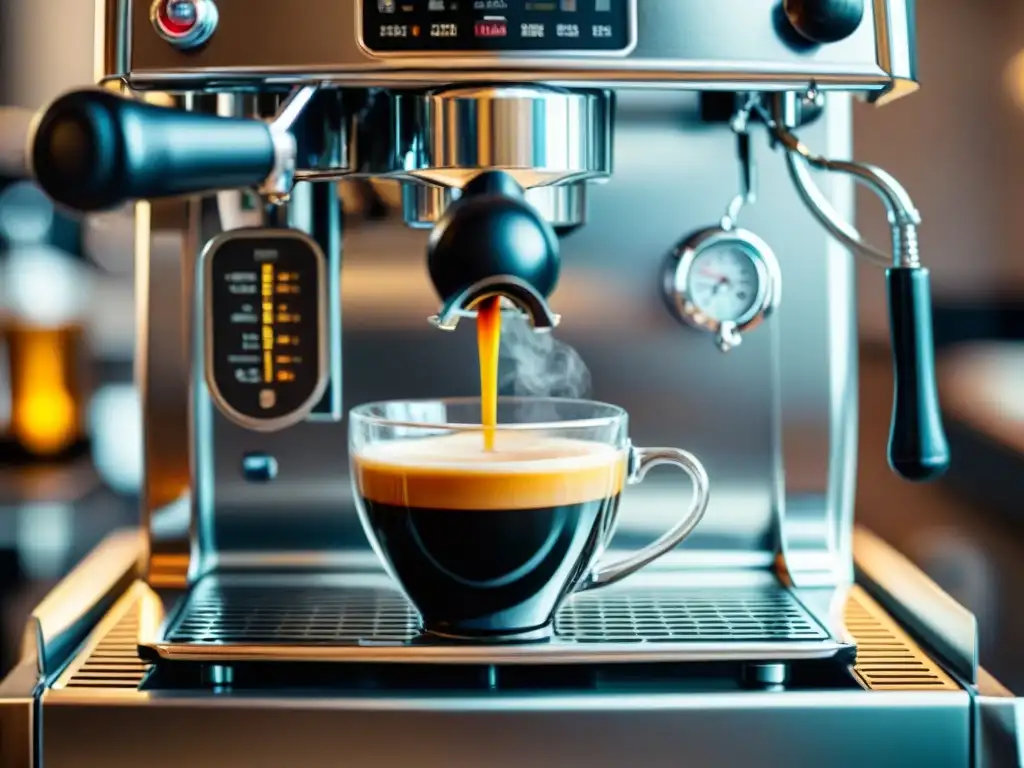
(263, 307)
(723, 281)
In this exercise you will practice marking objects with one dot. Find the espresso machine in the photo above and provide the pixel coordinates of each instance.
(661, 192)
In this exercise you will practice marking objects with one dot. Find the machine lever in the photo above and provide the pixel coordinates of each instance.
(94, 150)
(918, 449)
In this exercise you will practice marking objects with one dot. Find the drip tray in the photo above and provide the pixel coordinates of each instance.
(363, 618)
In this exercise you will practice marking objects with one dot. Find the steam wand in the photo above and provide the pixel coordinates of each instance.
(918, 449)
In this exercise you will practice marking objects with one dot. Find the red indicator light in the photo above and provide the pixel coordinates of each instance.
(177, 17)
(490, 29)
(184, 24)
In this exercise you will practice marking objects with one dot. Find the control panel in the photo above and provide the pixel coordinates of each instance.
(265, 326)
(510, 26)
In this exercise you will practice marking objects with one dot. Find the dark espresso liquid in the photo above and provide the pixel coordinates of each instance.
(488, 542)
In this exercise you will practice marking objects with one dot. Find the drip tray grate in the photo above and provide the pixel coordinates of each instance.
(670, 615)
(364, 619)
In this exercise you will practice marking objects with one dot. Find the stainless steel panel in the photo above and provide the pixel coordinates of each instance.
(817, 379)
(629, 726)
(736, 41)
(998, 725)
(165, 250)
(19, 725)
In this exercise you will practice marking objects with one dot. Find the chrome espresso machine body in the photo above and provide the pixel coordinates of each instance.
(646, 145)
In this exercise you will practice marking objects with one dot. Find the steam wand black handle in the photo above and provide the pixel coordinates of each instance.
(93, 150)
(918, 449)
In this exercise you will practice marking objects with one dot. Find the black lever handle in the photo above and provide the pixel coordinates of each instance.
(824, 21)
(918, 449)
(93, 150)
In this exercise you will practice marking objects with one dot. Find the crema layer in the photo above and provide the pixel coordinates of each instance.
(454, 471)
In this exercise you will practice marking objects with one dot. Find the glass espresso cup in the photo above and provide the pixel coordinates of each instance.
(487, 543)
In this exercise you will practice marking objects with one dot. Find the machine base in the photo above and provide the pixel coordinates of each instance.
(103, 705)
(722, 714)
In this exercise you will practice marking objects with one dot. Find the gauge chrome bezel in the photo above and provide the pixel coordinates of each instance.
(678, 271)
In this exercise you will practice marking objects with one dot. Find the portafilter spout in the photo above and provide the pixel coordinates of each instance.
(518, 293)
(491, 242)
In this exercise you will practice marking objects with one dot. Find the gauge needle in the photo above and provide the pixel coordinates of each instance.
(721, 281)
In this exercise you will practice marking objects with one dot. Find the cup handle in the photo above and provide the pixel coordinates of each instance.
(642, 460)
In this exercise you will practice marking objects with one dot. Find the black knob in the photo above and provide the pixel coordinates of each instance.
(492, 231)
(824, 21)
(918, 449)
(94, 150)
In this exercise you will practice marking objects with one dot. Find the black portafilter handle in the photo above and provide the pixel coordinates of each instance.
(918, 449)
(93, 150)
(489, 242)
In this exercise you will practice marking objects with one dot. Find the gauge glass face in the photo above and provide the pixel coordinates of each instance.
(725, 282)
(264, 324)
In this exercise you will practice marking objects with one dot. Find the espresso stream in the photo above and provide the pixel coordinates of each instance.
(488, 341)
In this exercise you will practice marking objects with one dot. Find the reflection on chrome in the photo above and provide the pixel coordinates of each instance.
(963, 570)
(115, 428)
(26, 214)
(44, 537)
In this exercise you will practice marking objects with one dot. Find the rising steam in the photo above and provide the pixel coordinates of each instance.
(538, 364)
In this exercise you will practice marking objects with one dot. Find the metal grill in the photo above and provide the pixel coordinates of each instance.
(300, 614)
(722, 616)
(887, 659)
(346, 615)
(113, 662)
(369, 620)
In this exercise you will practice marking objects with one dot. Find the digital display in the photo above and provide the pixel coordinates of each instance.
(264, 324)
(481, 26)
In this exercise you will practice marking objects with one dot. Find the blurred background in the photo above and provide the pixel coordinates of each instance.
(69, 429)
